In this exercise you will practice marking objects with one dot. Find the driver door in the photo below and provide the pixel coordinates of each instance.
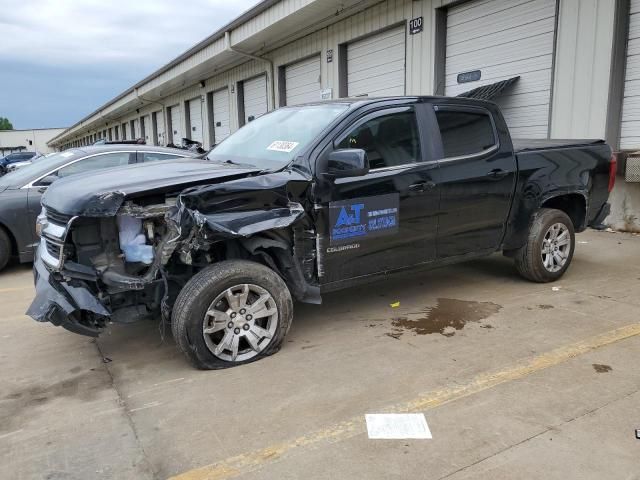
(386, 219)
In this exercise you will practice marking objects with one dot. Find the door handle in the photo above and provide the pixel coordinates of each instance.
(497, 173)
(421, 186)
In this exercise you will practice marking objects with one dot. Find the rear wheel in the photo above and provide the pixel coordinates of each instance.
(549, 248)
(5, 248)
(231, 313)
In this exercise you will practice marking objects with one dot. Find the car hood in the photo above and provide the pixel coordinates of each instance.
(101, 192)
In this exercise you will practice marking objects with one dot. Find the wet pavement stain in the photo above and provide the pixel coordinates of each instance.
(448, 316)
(19, 404)
(601, 368)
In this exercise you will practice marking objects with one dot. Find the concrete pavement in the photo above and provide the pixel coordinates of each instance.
(517, 380)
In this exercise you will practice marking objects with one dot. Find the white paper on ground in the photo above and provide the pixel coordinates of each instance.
(397, 425)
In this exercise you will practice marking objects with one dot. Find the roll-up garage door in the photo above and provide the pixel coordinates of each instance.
(176, 126)
(220, 115)
(500, 39)
(146, 128)
(160, 135)
(376, 64)
(630, 129)
(302, 81)
(136, 128)
(255, 98)
(195, 119)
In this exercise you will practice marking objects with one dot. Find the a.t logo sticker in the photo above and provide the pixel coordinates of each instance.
(363, 217)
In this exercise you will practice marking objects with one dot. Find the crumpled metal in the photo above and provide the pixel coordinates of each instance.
(240, 208)
(56, 302)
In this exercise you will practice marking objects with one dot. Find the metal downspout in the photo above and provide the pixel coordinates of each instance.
(227, 40)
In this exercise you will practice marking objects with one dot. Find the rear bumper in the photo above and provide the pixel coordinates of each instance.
(602, 214)
(69, 306)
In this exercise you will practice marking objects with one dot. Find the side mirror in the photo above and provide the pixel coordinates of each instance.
(46, 181)
(348, 162)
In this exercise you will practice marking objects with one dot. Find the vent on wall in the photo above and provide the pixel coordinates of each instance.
(632, 170)
(491, 91)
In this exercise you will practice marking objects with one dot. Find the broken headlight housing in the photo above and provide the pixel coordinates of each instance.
(41, 222)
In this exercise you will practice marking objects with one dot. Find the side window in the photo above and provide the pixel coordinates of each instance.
(107, 160)
(156, 157)
(465, 133)
(389, 140)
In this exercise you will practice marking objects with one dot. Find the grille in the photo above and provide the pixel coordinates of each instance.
(632, 172)
(56, 217)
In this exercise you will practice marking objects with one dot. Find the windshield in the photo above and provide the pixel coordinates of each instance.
(273, 140)
(42, 166)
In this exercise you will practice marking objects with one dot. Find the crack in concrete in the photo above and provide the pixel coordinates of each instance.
(542, 432)
(123, 404)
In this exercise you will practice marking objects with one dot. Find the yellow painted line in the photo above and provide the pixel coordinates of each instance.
(16, 289)
(251, 461)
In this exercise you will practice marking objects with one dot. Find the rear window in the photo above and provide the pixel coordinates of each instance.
(465, 133)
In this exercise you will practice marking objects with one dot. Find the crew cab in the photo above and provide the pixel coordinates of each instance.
(302, 201)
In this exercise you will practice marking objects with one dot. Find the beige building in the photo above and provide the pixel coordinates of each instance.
(35, 140)
(577, 63)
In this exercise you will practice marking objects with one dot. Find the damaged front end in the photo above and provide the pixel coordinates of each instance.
(125, 259)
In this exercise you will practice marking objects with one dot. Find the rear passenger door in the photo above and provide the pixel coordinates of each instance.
(476, 178)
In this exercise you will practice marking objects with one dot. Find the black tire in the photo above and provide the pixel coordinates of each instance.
(5, 248)
(529, 258)
(197, 296)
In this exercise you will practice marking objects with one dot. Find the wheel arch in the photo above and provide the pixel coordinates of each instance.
(12, 239)
(289, 252)
(574, 204)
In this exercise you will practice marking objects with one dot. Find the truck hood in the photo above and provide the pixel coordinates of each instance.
(100, 193)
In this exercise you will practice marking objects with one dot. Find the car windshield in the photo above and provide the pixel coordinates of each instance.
(44, 165)
(273, 140)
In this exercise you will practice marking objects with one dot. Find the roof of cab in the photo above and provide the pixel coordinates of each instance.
(117, 147)
(359, 101)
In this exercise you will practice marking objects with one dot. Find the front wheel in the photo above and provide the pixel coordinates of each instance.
(549, 248)
(231, 313)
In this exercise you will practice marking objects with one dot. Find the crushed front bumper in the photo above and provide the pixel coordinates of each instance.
(64, 304)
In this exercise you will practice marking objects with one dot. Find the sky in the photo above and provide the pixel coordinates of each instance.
(62, 59)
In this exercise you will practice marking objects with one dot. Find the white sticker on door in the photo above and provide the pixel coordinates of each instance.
(282, 146)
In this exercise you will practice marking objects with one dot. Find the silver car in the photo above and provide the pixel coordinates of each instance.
(21, 190)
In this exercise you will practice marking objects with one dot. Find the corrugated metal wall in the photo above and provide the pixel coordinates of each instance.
(501, 39)
(582, 69)
(630, 130)
(580, 76)
(381, 16)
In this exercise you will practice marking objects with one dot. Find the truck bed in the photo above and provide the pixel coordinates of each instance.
(527, 145)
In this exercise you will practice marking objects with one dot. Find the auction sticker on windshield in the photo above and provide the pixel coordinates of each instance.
(282, 146)
(364, 217)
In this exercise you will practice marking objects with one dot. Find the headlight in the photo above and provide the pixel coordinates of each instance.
(41, 221)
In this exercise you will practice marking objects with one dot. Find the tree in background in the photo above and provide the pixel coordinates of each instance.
(5, 124)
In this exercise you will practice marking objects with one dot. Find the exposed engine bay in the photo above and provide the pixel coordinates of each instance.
(134, 263)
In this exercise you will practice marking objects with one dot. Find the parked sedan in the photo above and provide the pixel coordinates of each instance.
(21, 190)
(15, 158)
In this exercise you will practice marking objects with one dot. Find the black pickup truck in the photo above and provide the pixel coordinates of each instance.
(302, 201)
